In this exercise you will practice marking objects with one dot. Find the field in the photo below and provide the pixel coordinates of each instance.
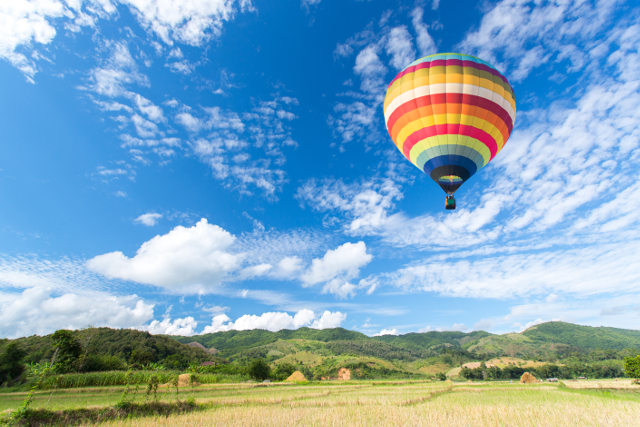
(371, 403)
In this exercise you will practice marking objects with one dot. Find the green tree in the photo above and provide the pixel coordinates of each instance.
(68, 348)
(141, 356)
(11, 366)
(441, 376)
(259, 370)
(632, 367)
(284, 371)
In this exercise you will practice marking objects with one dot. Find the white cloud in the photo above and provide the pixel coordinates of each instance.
(329, 320)
(371, 69)
(275, 321)
(400, 47)
(393, 331)
(308, 4)
(37, 311)
(581, 271)
(426, 45)
(119, 70)
(523, 35)
(148, 108)
(184, 327)
(364, 205)
(23, 23)
(194, 259)
(344, 261)
(192, 22)
(148, 219)
(60, 275)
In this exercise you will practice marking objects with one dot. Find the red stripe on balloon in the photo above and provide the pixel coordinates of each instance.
(430, 131)
(450, 98)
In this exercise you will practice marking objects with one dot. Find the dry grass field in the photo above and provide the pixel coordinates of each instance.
(598, 403)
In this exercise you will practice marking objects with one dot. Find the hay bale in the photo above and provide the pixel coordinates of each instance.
(527, 378)
(296, 377)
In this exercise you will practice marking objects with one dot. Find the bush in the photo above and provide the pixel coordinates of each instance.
(441, 376)
(259, 370)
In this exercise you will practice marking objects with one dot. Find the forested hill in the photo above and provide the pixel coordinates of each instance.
(584, 337)
(232, 342)
(432, 339)
(114, 347)
(542, 341)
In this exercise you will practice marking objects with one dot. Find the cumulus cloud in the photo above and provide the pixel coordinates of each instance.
(38, 311)
(185, 259)
(275, 321)
(393, 331)
(148, 219)
(184, 327)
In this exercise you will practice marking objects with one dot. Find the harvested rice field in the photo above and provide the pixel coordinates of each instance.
(377, 404)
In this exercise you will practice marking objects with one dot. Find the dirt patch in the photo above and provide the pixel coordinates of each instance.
(296, 377)
(344, 374)
(527, 378)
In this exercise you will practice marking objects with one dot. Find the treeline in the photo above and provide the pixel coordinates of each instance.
(610, 369)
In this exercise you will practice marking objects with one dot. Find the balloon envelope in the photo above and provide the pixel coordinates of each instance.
(449, 114)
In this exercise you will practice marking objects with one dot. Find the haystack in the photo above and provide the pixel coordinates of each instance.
(184, 380)
(527, 378)
(296, 377)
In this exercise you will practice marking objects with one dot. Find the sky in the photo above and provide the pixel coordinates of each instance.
(209, 165)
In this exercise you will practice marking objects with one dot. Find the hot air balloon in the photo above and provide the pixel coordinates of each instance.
(449, 114)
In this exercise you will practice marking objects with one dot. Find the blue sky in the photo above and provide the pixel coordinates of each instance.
(222, 164)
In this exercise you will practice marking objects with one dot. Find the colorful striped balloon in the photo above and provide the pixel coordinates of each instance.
(450, 114)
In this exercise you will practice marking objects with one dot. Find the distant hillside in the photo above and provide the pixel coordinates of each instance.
(232, 342)
(544, 342)
(584, 337)
(433, 339)
(119, 343)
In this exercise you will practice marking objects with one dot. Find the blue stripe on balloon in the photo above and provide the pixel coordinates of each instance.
(451, 160)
